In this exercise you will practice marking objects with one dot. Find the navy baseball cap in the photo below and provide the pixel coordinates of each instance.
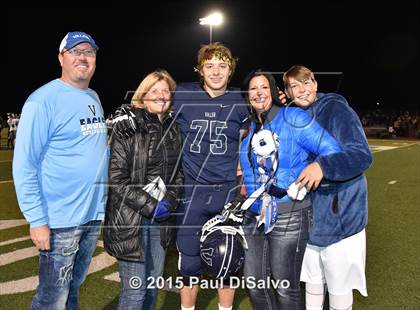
(74, 38)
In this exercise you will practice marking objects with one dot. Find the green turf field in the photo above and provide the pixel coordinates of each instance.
(393, 243)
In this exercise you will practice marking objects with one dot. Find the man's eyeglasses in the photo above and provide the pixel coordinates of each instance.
(86, 52)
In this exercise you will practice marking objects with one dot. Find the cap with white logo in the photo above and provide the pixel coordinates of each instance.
(74, 38)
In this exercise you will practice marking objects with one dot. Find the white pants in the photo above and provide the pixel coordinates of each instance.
(340, 265)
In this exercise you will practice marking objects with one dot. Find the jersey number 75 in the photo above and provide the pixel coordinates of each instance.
(218, 139)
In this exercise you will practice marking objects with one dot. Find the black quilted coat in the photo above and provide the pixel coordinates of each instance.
(153, 151)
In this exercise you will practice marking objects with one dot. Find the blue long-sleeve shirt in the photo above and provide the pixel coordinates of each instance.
(60, 162)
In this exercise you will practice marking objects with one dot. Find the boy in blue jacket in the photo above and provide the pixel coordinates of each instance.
(336, 250)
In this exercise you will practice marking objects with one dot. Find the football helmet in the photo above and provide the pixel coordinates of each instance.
(222, 245)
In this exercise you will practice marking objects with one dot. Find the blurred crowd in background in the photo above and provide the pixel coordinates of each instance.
(377, 123)
(10, 125)
(391, 123)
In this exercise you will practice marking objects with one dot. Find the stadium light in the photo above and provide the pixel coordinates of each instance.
(214, 19)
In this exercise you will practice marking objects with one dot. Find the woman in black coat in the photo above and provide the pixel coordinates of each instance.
(137, 220)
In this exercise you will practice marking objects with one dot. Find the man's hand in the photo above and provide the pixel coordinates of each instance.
(41, 237)
(310, 177)
(124, 123)
(282, 97)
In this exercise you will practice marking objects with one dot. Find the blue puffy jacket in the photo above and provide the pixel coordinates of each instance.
(299, 136)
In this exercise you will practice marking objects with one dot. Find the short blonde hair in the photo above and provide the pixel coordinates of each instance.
(148, 82)
(298, 72)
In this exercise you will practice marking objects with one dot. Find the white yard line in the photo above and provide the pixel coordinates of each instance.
(101, 261)
(18, 255)
(5, 224)
(381, 148)
(113, 277)
(14, 240)
(19, 286)
(8, 181)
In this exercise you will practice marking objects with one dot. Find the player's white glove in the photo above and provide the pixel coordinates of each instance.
(232, 212)
(124, 123)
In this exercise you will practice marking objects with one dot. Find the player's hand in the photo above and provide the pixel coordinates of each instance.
(124, 123)
(310, 177)
(233, 212)
(233, 206)
(41, 237)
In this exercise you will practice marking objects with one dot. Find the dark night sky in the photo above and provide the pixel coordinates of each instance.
(375, 47)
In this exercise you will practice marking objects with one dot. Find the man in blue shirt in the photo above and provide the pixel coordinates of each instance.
(60, 169)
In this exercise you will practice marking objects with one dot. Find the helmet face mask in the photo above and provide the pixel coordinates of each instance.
(222, 248)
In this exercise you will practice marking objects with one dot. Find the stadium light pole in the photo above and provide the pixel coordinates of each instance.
(214, 19)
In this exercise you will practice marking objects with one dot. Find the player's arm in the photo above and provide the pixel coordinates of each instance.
(347, 129)
(241, 192)
(32, 137)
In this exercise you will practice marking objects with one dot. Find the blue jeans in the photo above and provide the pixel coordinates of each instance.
(277, 255)
(135, 276)
(63, 268)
